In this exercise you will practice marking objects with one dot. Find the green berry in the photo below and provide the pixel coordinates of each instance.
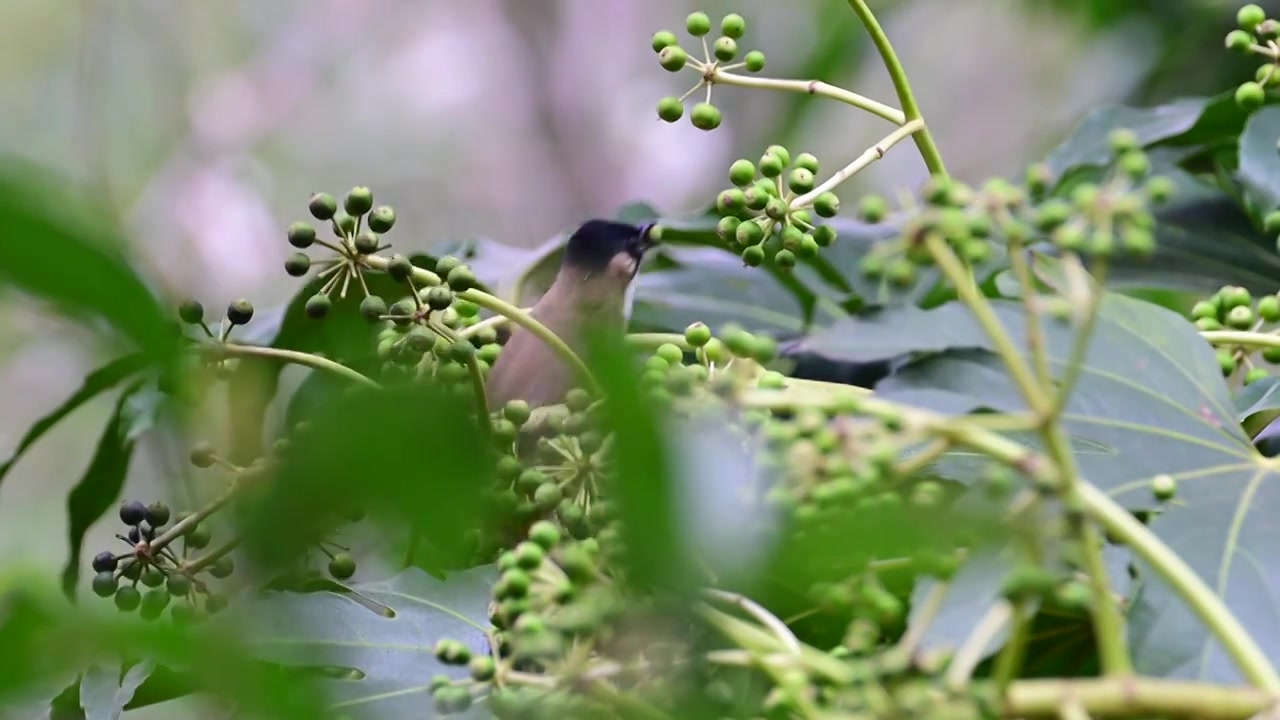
(547, 496)
(733, 25)
(1271, 223)
(366, 243)
(754, 61)
(1208, 324)
(198, 537)
(1226, 362)
(775, 209)
(1234, 296)
(772, 380)
(1164, 487)
(297, 264)
(439, 298)
(1204, 309)
(372, 308)
(1134, 164)
(725, 49)
(808, 247)
(753, 256)
(705, 116)
(784, 259)
(826, 205)
(104, 584)
(461, 279)
(663, 39)
(1271, 355)
(727, 227)
(359, 201)
(191, 312)
(128, 598)
(671, 353)
(157, 514)
(1239, 41)
(731, 202)
(545, 534)
(1136, 240)
(382, 219)
(1240, 317)
(318, 306)
(873, 208)
(807, 161)
(530, 555)
(1254, 375)
(673, 58)
(824, 235)
(742, 173)
(697, 334)
(1250, 95)
(399, 268)
(344, 225)
(800, 180)
(749, 233)
(698, 24)
(322, 206)
(1123, 140)
(1269, 308)
(153, 604)
(178, 585)
(771, 166)
(240, 312)
(222, 567)
(342, 566)
(1250, 16)
(301, 235)
(517, 411)
(670, 109)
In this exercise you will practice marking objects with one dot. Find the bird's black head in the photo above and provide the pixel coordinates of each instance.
(596, 244)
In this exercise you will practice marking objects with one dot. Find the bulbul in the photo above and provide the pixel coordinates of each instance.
(591, 293)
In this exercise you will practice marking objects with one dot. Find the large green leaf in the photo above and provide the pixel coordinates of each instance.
(106, 688)
(391, 654)
(95, 383)
(55, 248)
(1259, 158)
(1150, 400)
(1087, 144)
(99, 488)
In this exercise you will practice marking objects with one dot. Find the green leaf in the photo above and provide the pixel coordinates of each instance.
(1150, 400)
(105, 691)
(1259, 397)
(56, 249)
(1087, 144)
(95, 383)
(391, 657)
(970, 593)
(1259, 158)
(99, 487)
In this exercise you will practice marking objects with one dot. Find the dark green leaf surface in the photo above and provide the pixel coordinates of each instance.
(99, 487)
(1150, 400)
(96, 382)
(393, 655)
(1259, 158)
(105, 691)
(57, 250)
(969, 594)
(1087, 144)
(1258, 397)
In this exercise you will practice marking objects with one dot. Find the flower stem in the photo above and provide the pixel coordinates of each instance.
(811, 87)
(872, 154)
(293, 356)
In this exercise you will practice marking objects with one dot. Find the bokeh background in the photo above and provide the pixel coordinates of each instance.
(202, 128)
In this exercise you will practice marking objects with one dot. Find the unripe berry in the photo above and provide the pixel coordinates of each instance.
(399, 268)
(1240, 317)
(826, 205)
(1269, 308)
(753, 256)
(358, 201)
(297, 264)
(1164, 487)
(742, 173)
(775, 209)
(104, 584)
(461, 278)
(725, 49)
(1250, 16)
(322, 206)
(697, 334)
(1123, 140)
(318, 306)
(240, 312)
(670, 109)
(1254, 375)
(1159, 189)
(824, 235)
(1134, 164)
(754, 61)
(731, 202)
(1271, 355)
(366, 243)
(673, 58)
(727, 227)
(1250, 95)
(373, 308)
(344, 225)
(808, 247)
(771, 165)
(1239, 41)
(663, 39)
(301, 235)
(382, 219)
(191, 312)
(1226, 362)
(807, 161)
(733, 25)
(873, 208)
(698, 24)
(705, 116)
(749, 233)
(128, 598)
(342, 566)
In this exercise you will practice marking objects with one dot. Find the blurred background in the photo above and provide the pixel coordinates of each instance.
(202, 128)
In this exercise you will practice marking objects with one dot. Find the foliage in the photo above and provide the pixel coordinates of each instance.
(1049, 495)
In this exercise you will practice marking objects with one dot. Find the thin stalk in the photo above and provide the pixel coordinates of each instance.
(813, 87)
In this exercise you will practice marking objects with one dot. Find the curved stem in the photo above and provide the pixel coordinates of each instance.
(924, 139)
(294, 357)
(477, 376)
(755, 610)
(812, 87)
(872, 154)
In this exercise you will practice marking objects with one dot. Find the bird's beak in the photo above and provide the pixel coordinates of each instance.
(646, 239)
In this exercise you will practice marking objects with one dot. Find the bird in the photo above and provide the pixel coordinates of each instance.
(592, 291)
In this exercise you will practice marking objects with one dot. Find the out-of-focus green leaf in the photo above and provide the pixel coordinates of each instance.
(105, 688)
(408, 453)
(99, 488)
(1258, 404)
(54, 248)
(969, 594)
(1150, 400)
(1087, 144)
(96, 382)
(1259, 158)
(389, 659)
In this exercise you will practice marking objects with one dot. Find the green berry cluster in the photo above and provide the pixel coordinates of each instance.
(169, 580)
(715, 367)
(769, 213)
(1257, 34)
(717, 58)
(1234, 308)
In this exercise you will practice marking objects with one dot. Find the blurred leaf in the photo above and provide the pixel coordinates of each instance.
(1259, 158)
(974, 589)
(95, 383)
(104, 692)
(1087, 144)
(886, 333)
(392, 656)
(56, 249)
(343, 336)
(1222, 121)
(99, 488)
(1261, 398)
(411, 453)
(644, 489)
(1150, 400)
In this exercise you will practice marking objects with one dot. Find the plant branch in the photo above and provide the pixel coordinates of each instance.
(870, 155)
(755, 610)
(809, 87)
(294, 357)
(910, 109)
(970, 654)
(1137, 697)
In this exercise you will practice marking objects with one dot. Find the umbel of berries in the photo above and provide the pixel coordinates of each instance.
(717, 60)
